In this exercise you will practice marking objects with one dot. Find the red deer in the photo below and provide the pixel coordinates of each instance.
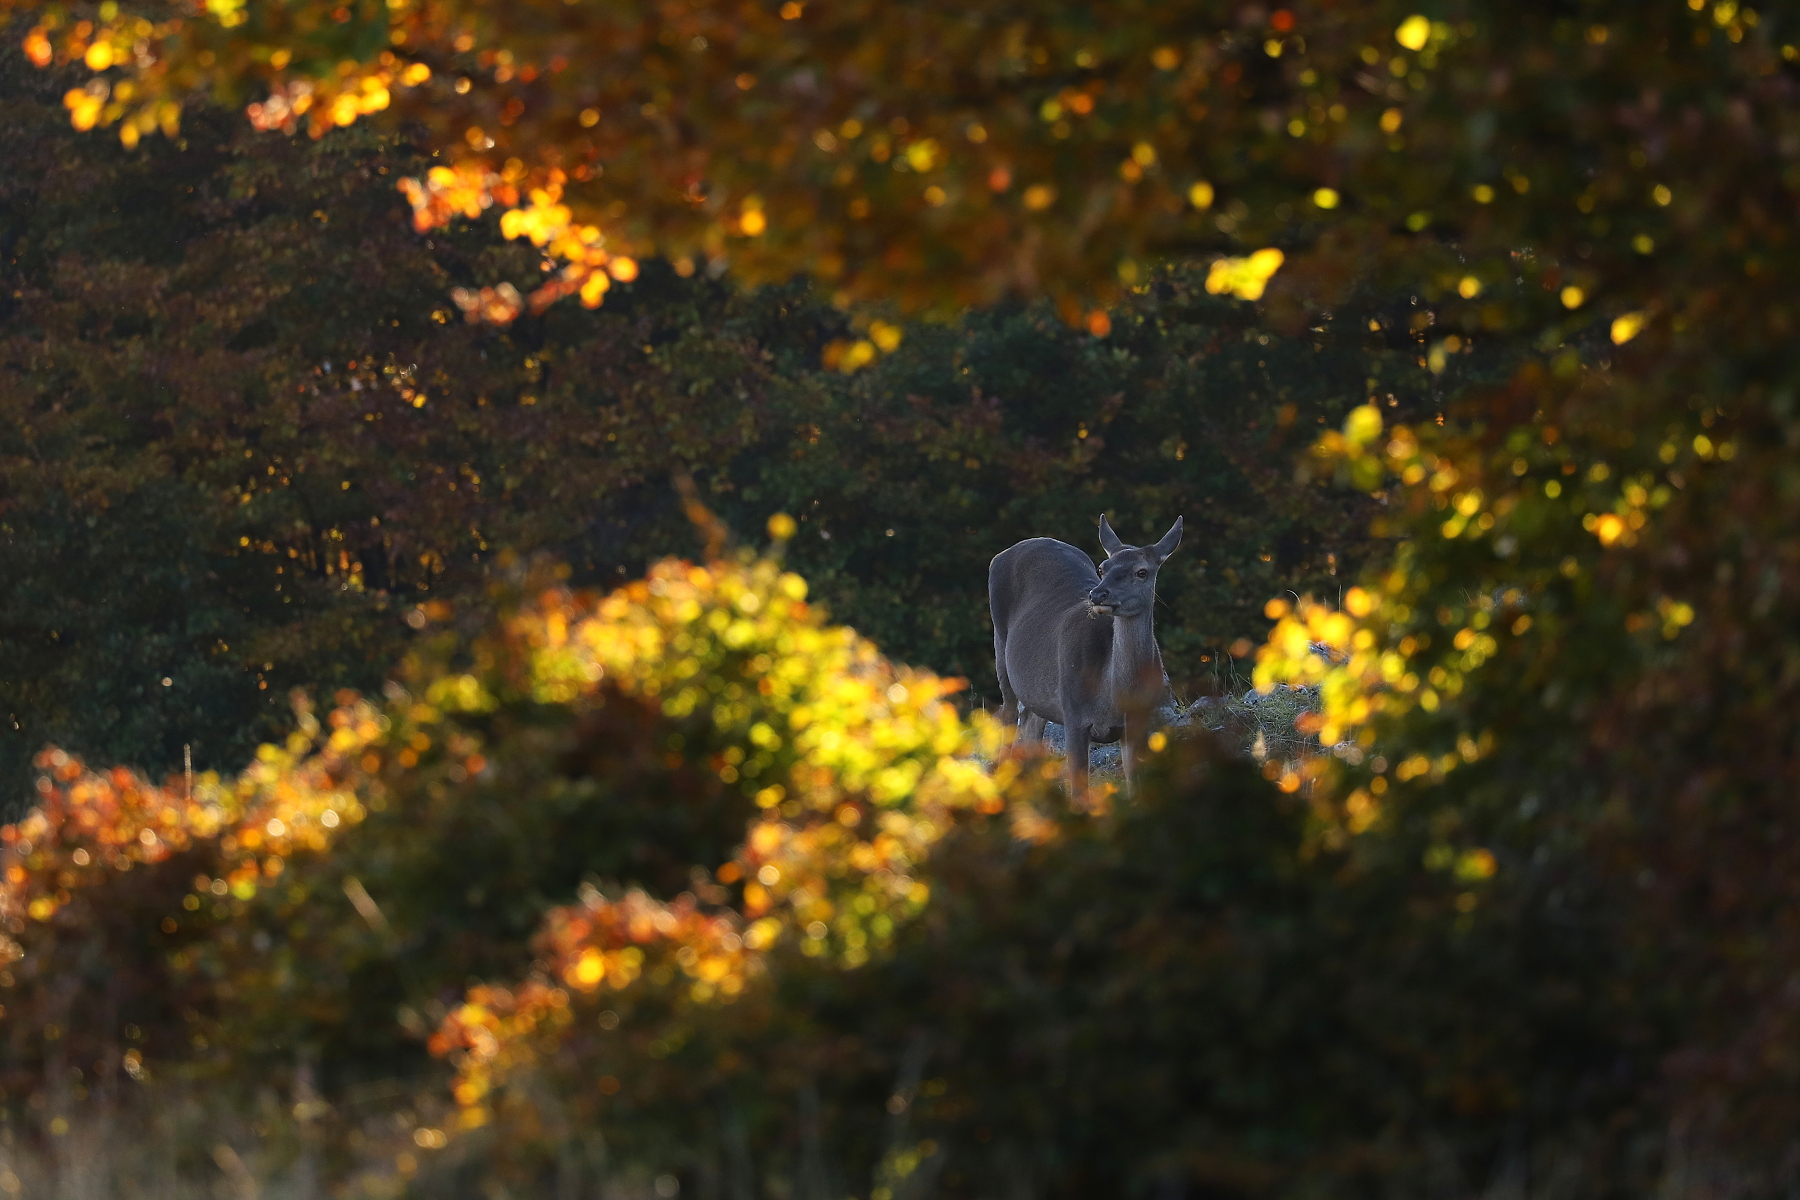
(1078, 646)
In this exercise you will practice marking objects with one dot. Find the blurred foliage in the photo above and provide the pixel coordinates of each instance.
(1531, 924)
(936, 157)
(225, 931)
(930, 157)
(883, 962)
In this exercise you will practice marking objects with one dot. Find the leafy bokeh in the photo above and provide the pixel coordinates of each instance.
(1526, 923)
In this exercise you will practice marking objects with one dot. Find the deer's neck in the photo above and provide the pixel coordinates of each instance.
(1136, 668)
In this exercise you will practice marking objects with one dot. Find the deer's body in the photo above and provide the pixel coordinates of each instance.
(1078, 646)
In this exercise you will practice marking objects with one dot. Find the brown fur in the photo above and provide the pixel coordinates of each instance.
(1078, 646)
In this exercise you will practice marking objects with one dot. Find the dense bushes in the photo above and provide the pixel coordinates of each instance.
(232, 935)
(809, 942)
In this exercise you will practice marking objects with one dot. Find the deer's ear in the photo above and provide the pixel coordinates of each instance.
(1109, 541)
(1170, 540)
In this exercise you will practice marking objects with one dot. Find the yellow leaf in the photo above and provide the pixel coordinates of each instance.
(885, 336)
(1362, 426)
(1244, 278)
(1414, 32)
(593, 288)
(1627, 327)
(922, 155)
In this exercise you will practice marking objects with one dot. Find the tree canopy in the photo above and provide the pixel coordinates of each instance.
(938, 155)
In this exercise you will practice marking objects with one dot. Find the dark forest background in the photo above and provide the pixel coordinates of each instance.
(243, 432)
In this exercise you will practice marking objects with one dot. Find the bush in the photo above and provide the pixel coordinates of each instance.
(684, 881)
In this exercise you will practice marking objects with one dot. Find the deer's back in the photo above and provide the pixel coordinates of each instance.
(1043, 631)
(1036, 579)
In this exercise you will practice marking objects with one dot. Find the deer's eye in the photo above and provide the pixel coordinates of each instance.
(1143, 573)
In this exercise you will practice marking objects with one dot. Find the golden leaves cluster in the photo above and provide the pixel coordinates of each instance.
(593, 947)
(715, 133)
(1245, 277)
(1406, 642)
(856, 767)
(88, 826)
(536, 214)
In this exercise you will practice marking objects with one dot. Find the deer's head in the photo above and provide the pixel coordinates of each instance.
(1127, 586)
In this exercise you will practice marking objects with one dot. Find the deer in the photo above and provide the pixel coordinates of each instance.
(1077, 646)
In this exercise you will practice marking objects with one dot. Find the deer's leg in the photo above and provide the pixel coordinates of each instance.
(1139, 710)
(1031, 728)
(1009, 700)
(1076, 743)
(1076, 729)
(1131, 746)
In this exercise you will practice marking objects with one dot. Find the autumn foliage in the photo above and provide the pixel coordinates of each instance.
(836, 838)
(688, 887)
(841, 769)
